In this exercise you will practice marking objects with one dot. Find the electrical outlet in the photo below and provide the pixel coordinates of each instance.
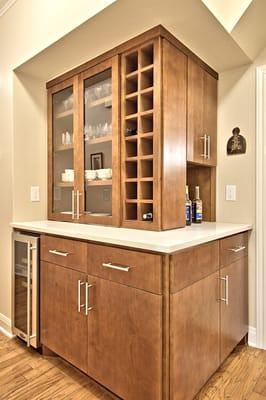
(35, 193)
(230, 192)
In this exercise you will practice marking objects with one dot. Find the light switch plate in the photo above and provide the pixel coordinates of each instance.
(230, 192)
(35, 193)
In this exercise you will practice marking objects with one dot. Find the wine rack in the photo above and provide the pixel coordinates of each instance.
(139, 136)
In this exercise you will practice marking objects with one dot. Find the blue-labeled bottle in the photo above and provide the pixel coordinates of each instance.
(188, 208)
(197, 207)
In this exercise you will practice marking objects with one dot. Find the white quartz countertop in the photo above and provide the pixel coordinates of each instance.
(162, 242)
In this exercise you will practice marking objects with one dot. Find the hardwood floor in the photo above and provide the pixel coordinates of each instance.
(25, 375)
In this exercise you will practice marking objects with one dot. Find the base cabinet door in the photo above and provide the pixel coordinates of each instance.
(194, 337)
(234, 305)
(125, 340)
(63, 327)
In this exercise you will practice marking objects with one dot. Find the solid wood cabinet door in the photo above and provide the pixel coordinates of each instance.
(125, 340)
(202, 116)
(63, 328)
(234, 315)
(194, 330)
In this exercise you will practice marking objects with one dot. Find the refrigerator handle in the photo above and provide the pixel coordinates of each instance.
(29, 299)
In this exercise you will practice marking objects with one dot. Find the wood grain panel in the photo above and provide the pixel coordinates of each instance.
(192, 264)
(202, 114)
(231, 243)
(195, 101)
(63, 328)
(174, 137)
(125, 340)
(77, 252)
(210, 115)
(194, 325)
(145, 269)
(234, 316)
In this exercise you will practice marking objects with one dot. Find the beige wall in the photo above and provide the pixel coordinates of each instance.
(237, 107)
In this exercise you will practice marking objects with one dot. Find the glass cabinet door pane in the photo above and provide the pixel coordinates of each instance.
(98, 144)
(63, 160)
(20, 286)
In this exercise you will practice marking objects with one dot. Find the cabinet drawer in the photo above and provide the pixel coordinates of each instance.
(66, 252)
(132, 268)
(233, 248)
(193, 264)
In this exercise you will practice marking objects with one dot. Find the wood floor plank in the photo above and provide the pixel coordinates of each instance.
(26, 375)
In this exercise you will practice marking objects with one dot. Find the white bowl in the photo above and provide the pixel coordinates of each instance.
(90, 174)
(104, 173)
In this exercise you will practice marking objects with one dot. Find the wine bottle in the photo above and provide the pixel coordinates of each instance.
(197, 207)
(188, 208)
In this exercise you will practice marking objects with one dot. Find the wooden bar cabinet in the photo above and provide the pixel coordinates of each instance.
(128, 130)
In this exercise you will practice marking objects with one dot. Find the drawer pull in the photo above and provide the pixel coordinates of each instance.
(119, 267)
(59, 253)
(226, 298)
(237, 249)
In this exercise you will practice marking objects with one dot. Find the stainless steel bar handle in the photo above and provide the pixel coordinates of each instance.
(28, 292)
(80, 306)
(208, 147)
(237, 249)
(123, 268)
(78, 204)
(59, 253)
(87, 297)
(226, 298)
(204, 138)
(73, 204)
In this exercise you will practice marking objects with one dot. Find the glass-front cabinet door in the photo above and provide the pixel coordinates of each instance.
(62, 122)
(98, 175)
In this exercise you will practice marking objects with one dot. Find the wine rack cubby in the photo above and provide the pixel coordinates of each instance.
(139, 153)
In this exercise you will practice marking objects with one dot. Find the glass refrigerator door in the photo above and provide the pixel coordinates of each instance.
(21, 282)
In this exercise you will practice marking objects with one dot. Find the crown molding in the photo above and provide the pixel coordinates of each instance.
(6, 6)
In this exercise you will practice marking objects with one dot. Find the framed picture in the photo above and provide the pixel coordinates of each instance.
(97, 161)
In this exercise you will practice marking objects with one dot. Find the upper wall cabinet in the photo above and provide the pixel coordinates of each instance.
(202, 116)
(84, 177)
(118, 134)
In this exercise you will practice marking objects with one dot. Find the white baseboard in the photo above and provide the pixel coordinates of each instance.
(5, 325)
(252, 336)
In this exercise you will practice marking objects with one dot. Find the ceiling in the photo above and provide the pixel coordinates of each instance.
(5, 4)
(196, 26)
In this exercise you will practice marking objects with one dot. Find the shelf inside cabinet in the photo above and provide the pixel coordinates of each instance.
(63, 147)
(103, 182)
(103, 139)
(67, 113)
(64, 184)
(106, 101)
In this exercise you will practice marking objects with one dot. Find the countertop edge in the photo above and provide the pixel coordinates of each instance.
(164, 249)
